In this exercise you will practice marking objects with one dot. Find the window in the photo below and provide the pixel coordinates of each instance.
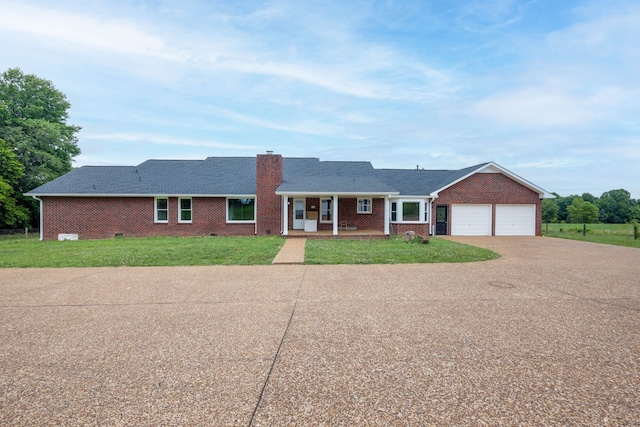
(184, 214)
(241, 210)
(161, 211)
(326, 211)
(364, 206)
(410, 211)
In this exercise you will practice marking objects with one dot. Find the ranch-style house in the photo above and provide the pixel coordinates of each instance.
(274, 195)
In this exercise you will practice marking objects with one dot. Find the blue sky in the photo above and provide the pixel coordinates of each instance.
(547, 89)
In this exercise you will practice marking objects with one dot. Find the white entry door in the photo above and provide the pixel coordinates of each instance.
(299, 206)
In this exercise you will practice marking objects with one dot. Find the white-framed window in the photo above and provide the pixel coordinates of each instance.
(409, 210)
(241, 209)
(326, 210)
(161, 209)
(184, 209)
(364, 206)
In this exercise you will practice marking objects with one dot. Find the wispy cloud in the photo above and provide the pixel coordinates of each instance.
(163, 140)
(89, 31)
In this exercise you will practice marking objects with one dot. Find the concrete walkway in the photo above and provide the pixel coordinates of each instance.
(292, 252)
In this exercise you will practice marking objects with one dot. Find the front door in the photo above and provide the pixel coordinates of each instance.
(441, 220)
(299, 206)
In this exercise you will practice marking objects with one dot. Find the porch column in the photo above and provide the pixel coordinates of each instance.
(387, 204)
(285, 215)
(335, 214)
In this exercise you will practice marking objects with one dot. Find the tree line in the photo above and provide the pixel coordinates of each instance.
(612, 207)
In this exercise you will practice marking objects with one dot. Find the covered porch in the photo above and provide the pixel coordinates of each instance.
(324, 215)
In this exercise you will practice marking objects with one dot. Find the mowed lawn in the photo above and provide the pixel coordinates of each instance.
(392, 251)
(174, 251)
(148, 251)
(612, 234)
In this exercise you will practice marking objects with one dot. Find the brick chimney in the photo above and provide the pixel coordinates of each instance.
(268, 204)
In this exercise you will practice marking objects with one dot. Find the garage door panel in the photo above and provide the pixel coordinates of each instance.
(515, 220)
(471, 220)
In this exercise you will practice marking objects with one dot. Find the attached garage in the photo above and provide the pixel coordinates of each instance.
(471, 220)
(515, 220)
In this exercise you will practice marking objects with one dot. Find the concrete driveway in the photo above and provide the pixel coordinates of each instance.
(549, 334)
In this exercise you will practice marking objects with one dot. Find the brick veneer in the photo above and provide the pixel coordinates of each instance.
(489, 188)
(268, 204)
(104, 217)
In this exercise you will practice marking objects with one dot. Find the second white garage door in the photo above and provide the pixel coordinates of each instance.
(471, 220)
(515, 220)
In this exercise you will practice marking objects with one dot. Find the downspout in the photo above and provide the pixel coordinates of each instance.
(41, 220)
(432, 224)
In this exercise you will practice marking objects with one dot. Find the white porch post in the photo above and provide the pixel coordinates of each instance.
(335, 214)
(285, 215)
(387, 204)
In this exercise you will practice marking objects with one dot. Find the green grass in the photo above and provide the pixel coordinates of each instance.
(391, 251)
(153, 251)
(611, 234)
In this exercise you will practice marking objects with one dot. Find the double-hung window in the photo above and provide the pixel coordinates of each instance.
(326, 210)
(364, 206)
(241, 210)
(161, 209)
(184, 211)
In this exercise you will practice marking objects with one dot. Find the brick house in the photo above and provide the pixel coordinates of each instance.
(269, 194)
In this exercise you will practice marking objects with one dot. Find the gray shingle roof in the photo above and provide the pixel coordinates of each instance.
(237, 176)
(419, 182)
(214, 175)
(314, 176)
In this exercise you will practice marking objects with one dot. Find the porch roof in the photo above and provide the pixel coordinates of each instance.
(313, 177)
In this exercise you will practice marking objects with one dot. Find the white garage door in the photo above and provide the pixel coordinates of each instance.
(471, 220)
(515, 220)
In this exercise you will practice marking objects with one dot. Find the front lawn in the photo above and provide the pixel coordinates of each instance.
(152, 251)
(392, 251)
(173, 251)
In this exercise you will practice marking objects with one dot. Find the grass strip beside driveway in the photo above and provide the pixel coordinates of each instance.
(392, 251)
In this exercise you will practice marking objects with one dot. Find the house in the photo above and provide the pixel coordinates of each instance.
(269, 194)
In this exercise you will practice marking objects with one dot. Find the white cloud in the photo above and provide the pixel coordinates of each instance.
(86, 30)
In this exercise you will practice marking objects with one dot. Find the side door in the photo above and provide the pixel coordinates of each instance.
(442, 226)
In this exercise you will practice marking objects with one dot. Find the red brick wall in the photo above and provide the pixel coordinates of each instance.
(268, 204)
(420, 229)
(489, 188)
(104, 217)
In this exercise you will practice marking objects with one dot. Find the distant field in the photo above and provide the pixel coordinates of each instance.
(612, 234)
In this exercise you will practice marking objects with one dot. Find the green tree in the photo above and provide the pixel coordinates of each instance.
(562, 203)
(549, 210)
(615, 206)
(580, 212)
(11, 213)
(33, 122)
